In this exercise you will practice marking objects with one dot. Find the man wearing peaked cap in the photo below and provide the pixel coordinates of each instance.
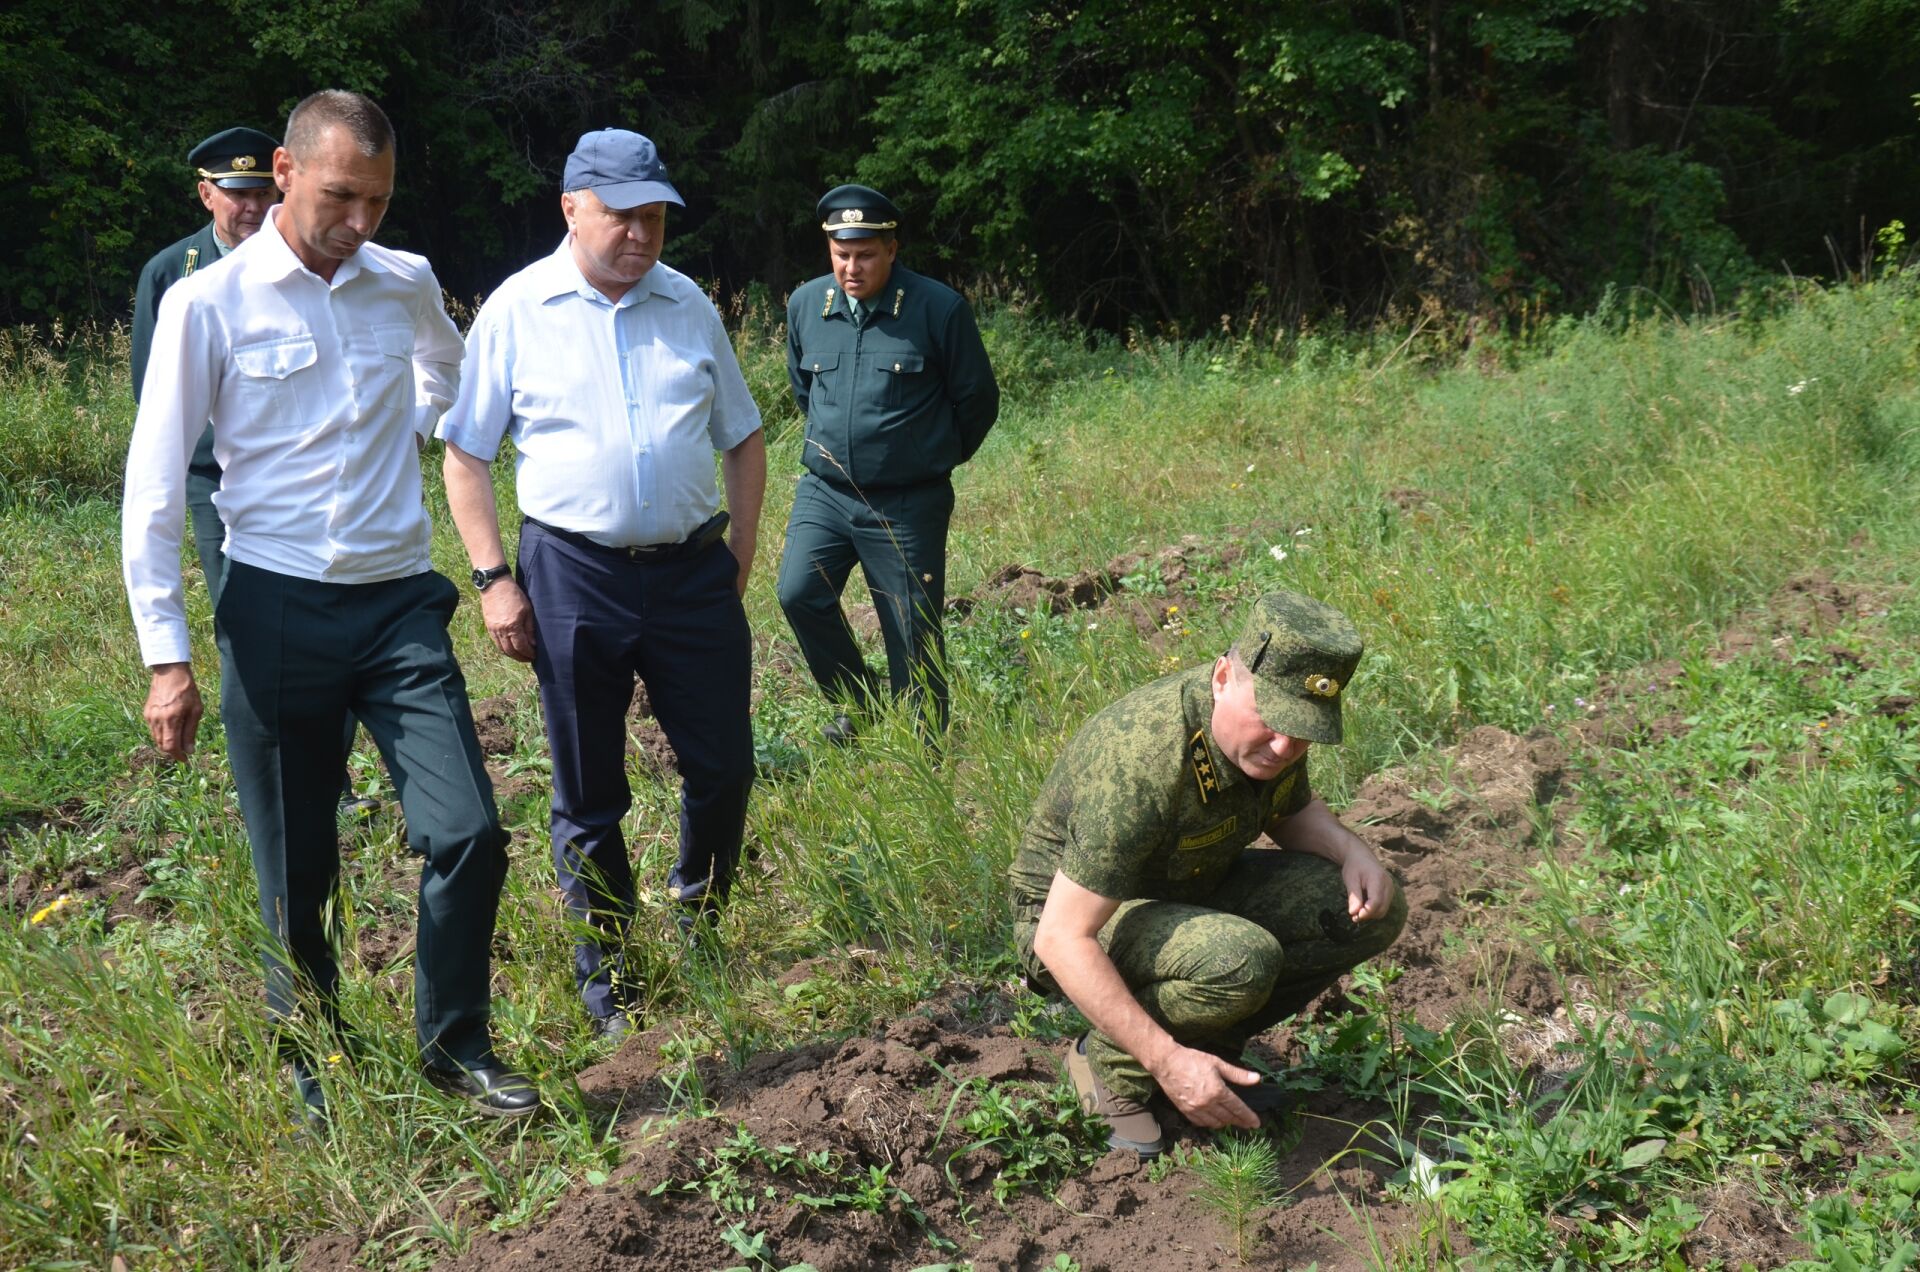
(1139, 894)
(891, 373)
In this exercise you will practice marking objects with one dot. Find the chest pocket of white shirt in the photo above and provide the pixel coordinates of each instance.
(270, 379)
(390, 380)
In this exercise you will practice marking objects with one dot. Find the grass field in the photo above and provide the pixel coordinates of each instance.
(1728, 900)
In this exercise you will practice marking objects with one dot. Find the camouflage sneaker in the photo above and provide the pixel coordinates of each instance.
(1131, 1126)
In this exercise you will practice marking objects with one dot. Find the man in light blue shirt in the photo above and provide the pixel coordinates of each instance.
(615, 378)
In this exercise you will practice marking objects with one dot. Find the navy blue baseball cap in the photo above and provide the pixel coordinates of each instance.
(622, 168)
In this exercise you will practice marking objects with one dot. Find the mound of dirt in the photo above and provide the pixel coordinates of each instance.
(894, 1100)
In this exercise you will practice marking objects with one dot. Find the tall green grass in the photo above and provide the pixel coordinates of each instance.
(1503, 532)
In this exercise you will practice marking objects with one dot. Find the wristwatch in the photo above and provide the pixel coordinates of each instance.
(483, 579)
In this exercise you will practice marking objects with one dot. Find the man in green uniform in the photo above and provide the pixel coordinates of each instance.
(889, 368)
(1136, 892)
(236, 188)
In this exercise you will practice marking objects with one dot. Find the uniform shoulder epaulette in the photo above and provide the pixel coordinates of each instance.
(828, 307)
(193, 260)
(1204, 774)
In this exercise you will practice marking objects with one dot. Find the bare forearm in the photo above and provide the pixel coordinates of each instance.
(1316, 830)
(475, 514)
(1088, 977)
(744, 472)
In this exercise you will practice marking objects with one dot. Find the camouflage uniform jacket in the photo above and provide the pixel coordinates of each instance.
(1142, 805)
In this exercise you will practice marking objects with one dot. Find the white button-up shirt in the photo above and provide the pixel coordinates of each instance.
(317, 391)
(616, 409)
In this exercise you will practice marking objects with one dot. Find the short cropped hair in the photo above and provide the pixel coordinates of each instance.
(362, 117)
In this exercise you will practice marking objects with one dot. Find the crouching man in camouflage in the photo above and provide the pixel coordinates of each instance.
(1136, 892)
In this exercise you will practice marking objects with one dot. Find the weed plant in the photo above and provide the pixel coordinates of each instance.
(1505, 531)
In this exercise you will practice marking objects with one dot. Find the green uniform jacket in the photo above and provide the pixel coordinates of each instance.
(901, 398)
(168, 266)
(1141, 805)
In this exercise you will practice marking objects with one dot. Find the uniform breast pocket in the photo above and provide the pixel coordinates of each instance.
(270, 379)
(1203, 855)
(904, 374)
(823, 379)
(390, 379)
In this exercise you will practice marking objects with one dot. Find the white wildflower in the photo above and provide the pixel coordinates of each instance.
(1277, 552)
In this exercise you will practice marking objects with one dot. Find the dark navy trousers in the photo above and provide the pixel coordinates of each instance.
(296, 657)
(604, 617)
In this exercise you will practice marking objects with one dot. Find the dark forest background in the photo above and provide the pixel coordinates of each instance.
(1113, 161)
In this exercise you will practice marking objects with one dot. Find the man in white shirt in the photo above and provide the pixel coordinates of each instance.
(323, 361)
(615, 378)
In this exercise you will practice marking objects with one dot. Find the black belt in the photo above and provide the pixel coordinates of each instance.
(652, 553)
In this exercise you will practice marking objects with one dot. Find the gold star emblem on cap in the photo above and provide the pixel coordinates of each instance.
(1323, 686)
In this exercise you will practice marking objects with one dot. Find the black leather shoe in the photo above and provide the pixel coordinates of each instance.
(614, 1028)
(491, 1088)
(313, 1101)
(841, 732)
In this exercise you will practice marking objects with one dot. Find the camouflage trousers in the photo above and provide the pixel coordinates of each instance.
(1222, 971)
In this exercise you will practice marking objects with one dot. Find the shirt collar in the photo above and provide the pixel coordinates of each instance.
(560, 276)
(271, 253)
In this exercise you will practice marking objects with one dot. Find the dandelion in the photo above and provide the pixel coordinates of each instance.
(1277, 552)
(334, 1058)
(1172, 610)
(1025, 633)
(50, 909)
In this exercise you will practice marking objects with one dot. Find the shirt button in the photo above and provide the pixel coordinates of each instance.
(646, 503)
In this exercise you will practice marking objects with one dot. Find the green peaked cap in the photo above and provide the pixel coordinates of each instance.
(1302, 653)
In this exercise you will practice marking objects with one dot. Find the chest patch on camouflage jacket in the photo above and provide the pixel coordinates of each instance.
(1208, 837)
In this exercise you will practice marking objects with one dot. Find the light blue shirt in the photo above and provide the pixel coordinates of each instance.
(615, 409)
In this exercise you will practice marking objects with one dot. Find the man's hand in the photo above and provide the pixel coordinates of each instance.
(1316, 830)
(743, 547)
(1197, 1083)
(173, 709)
(509, 617)
(1369, 886)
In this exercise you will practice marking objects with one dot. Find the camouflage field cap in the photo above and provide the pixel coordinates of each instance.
(1301, 652)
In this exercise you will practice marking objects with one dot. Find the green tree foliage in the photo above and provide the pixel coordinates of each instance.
(1117, 161)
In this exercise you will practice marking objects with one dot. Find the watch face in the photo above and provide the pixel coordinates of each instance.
(483, 577)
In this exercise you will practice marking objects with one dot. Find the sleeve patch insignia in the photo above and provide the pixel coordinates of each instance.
(1209, 837)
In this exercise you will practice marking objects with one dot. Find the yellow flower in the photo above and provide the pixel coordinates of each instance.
(334, 1058)
(1024, 633)
(52, 908)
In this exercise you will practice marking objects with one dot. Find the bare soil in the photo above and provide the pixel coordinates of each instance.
(883, 1099)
